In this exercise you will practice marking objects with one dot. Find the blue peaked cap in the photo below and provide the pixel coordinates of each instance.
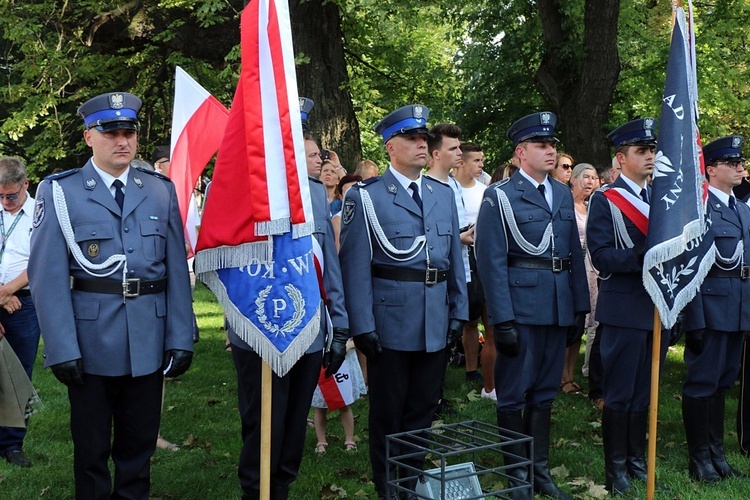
(637, 132)
(111, 111)
(726, 148)
(407, 120)
(536, 127)
(305, 106)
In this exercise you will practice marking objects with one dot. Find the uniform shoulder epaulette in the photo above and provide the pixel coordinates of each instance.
(60, 175)
(154, 173)
(313, 179)
(366, 182)
(501, 182)
(605, 188)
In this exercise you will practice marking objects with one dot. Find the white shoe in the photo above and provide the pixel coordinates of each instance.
(489, 395)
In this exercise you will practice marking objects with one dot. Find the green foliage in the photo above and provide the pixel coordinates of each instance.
(398, 53)
(54, 57)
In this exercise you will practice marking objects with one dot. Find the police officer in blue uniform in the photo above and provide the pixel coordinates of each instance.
(717, 318)
(531, 266)
(292, 393)
(126, 319)
(405, 287)
(624, 308)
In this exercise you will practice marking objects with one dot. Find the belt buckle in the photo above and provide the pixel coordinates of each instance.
(557, 264)
(127, 290)
(744, 272)
(431, 276)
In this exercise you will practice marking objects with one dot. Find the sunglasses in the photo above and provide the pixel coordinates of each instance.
(565, 166)
(11, 197)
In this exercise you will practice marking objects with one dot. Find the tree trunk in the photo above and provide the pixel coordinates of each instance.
(323, 77)
(580, 89)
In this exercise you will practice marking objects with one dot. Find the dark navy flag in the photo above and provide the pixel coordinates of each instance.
(680, 252)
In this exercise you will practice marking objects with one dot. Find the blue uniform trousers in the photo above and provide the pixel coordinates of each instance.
(404, 389)
(715, 369)
(532, 378)
(291, 396)
(131, 406)
(22, 333)
(626, 357)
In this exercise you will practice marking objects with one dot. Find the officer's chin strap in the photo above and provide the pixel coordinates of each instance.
(373, 223)
(61, 208)
(506, 214)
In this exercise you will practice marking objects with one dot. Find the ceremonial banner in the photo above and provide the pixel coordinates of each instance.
(255, 249)
(198, 123)
(17, 395)
(679, 252)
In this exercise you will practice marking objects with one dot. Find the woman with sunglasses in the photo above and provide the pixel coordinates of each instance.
(563, 168)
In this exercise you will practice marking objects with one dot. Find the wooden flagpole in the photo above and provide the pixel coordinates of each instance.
(654, 406)
(655, 368)
(265, 432)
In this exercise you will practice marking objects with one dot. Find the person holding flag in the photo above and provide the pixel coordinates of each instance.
(616, 238)
(717, 318)
(405, 288)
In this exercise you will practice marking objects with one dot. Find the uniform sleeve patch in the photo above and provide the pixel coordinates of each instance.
(348, 211)
(39, 212)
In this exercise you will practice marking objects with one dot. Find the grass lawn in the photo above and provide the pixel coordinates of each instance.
(200, 415)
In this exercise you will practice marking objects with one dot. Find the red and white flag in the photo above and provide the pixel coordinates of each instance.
(255, 249)
(198, 124)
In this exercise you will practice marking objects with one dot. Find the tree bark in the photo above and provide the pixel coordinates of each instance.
(580, 88)
(323, 77)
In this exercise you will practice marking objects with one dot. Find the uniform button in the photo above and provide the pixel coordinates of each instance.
(93, 233)
(531, 217)
(517, 282)
(431, 247)
(126, 229)
(132, 271)
(130, 250)
(382, 299)
(398, 231)
(428, 229)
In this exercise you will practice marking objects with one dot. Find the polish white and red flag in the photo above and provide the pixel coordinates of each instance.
(198, 124)
(255, 247)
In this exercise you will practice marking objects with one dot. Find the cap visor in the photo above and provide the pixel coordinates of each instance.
(117, 125)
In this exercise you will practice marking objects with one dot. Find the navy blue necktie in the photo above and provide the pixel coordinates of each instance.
(644, 194)
(733, 206)
(415, 194)
(119, 195)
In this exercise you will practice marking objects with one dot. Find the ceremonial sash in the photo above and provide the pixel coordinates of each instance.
(634, 208)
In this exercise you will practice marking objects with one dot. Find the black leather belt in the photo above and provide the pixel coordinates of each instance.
(24, 292)
(741, 272)
(429, 276)
(555, 264)
(133, 287)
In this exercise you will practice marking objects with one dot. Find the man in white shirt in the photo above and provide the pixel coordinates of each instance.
(17, 312)
(469, 175)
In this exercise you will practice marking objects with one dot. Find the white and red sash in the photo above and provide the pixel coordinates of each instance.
(634, 208)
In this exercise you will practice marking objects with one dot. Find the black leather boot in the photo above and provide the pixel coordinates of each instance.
(537, 426)
(637, 429)
(695, 417)
(513, 421)
(615, 440)
(716, 436)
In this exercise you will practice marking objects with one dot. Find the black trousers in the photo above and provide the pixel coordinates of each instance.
(291, 396)
(131, 406)
(404, 391)
(743, 405)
